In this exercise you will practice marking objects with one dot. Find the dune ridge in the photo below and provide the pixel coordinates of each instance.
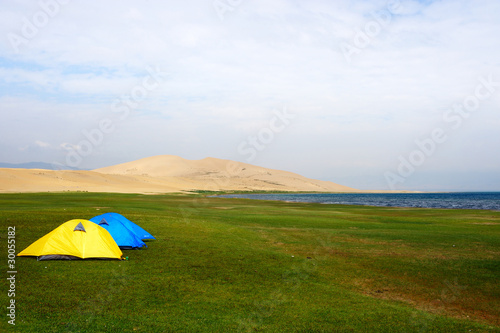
(165, 174)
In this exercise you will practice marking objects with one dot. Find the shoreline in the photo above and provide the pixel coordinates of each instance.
(488, 201)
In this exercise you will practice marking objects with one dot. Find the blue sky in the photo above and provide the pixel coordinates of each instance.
(364, 85)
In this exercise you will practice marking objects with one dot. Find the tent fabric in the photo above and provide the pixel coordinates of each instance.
(137, 230)
(68, 241)
(58, 257)
(123, 236)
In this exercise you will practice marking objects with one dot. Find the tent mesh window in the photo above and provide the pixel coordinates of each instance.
(79, 227)
(103, 221)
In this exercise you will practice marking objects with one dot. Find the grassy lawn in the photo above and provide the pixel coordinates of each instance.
(235, 265)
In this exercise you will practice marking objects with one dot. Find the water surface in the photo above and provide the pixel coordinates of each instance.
(453, 200)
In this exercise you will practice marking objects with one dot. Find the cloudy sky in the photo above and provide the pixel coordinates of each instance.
(368, 94)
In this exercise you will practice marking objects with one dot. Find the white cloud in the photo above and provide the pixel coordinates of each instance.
(42, 144)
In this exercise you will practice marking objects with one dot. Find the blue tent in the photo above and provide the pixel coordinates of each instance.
(141, 233)
(123, 236)
(138, 231)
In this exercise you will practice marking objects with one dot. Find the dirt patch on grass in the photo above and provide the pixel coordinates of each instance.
(444, 304)
(366, 241)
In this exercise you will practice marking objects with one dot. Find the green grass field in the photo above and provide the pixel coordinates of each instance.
(234, 265)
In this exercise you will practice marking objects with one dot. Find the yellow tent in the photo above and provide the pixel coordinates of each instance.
(75, 239)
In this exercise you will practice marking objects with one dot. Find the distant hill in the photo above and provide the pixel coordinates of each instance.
(218, 174)
(36, 165)
(162, 174)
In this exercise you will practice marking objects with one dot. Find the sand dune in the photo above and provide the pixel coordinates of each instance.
(163, 174)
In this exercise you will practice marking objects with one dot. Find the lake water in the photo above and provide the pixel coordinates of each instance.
(454, 200)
